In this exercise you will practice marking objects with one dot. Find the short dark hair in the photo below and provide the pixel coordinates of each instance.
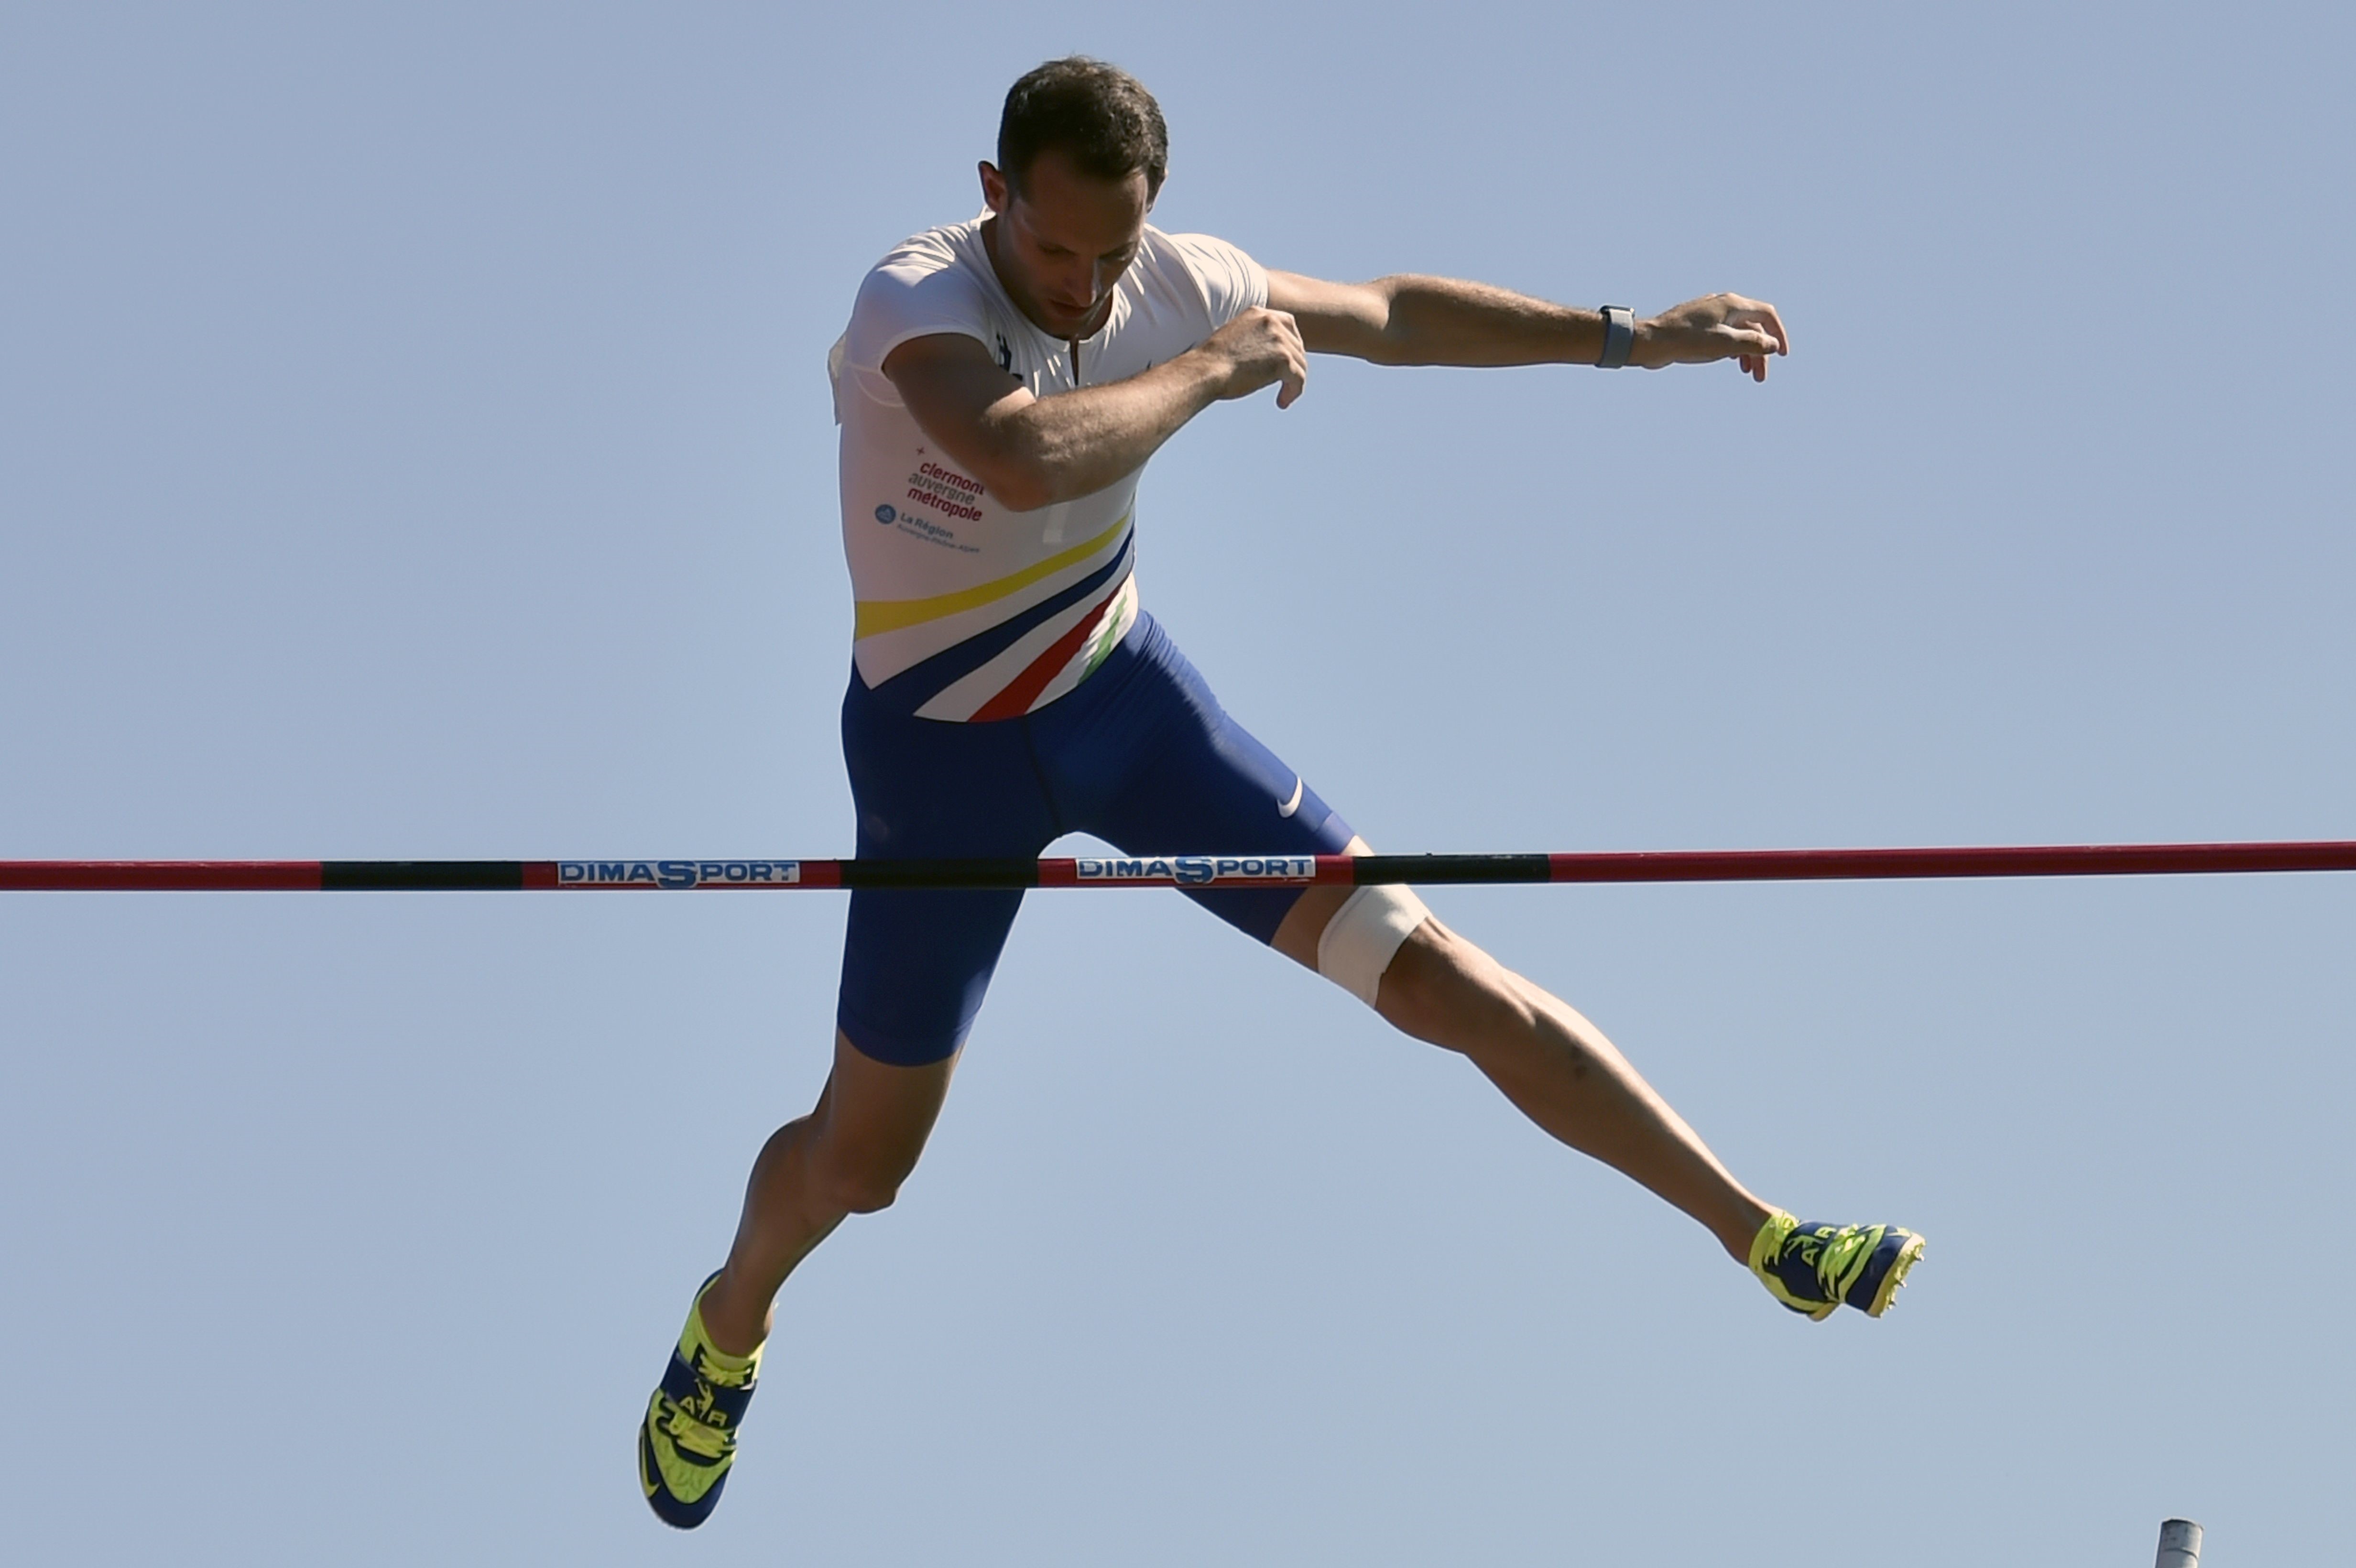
(1098, 115)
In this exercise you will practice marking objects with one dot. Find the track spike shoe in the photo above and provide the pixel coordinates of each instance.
(687, 1441)
(1815, 1269)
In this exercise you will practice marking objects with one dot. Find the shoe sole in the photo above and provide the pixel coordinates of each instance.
(1907, 1256)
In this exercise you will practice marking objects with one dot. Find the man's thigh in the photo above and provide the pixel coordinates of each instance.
(916, 965)
(1296, 936)
(1163, 769)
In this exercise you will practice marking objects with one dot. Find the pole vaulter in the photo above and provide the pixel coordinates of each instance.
(1183, 870)
(1000, 385)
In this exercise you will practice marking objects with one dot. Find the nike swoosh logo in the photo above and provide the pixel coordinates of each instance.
(1287, 808)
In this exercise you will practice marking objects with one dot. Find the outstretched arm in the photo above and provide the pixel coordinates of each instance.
(1411, 320)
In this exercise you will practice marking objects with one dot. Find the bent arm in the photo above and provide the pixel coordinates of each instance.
(1034, 452)
(1414, 320)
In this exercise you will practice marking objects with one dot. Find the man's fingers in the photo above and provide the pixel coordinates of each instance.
(1296, 364)
(1295, 382)
(1751, 346)
(1761, 316)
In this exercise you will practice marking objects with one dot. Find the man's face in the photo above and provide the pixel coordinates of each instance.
(1062, 243)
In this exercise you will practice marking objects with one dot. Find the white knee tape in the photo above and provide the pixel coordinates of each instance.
(1364, 933)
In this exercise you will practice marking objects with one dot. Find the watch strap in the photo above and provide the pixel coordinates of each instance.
(1619, 336)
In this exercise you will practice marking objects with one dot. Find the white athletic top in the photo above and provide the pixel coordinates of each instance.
(977, 611)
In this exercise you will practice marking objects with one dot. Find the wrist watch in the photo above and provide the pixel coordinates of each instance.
(1619, 336)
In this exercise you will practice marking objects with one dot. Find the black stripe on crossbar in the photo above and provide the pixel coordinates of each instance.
(1002, 874)
(1470, 870)
(420, 876)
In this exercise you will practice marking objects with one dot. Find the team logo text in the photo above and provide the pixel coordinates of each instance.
(1191, 871)
(676, 873)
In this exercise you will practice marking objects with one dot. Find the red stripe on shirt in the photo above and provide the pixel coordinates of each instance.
(1016, 696)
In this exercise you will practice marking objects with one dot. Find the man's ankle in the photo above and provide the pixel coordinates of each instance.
(1739, 1232)
(732, 1330)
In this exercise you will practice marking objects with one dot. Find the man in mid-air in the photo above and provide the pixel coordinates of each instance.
(1001, 386)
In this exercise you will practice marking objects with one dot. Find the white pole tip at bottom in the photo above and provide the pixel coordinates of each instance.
(2179, 1545)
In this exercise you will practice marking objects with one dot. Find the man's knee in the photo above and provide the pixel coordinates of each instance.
(1364, 933)
(870, 1127)
(863, 1181)
(1438, 983)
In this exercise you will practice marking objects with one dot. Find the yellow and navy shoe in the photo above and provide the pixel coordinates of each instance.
(1813, 1269)
(687, 1440)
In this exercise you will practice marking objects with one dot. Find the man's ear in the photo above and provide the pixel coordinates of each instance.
(994, 190)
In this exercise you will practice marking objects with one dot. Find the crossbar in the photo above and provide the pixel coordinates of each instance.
(1192, 871)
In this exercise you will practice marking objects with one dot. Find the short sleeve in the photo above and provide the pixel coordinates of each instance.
(1232, 281)
(910, 294)
(918, 291)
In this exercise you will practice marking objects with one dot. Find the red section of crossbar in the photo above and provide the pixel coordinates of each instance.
(1973, 861)
(160, 876)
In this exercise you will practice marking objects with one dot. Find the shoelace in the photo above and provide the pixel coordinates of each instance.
(689, 1431)
(1843, 1257)
(709, 1376)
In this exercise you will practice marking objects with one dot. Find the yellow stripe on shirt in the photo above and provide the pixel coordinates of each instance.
(877, 615)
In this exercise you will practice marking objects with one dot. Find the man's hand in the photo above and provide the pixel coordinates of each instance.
(1714, 327)
(1259, 347)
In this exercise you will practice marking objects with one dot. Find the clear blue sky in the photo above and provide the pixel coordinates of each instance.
(415, 442)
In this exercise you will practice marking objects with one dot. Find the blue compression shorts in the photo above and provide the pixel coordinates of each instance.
(1139, 755)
